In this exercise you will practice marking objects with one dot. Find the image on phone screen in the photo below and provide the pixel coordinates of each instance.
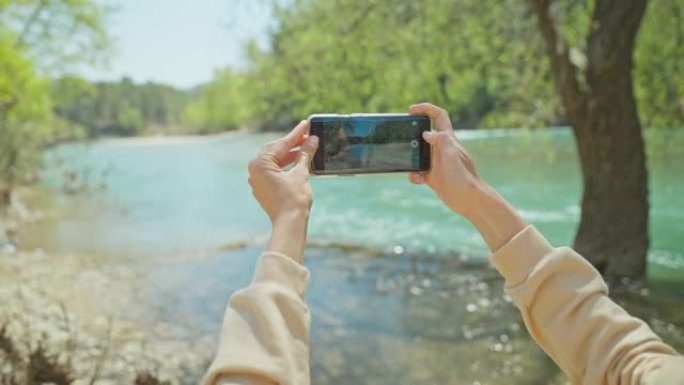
(370, 144)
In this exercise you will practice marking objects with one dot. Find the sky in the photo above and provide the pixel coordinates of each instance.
(180, 42)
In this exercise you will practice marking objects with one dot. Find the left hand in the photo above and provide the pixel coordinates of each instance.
(281, 191)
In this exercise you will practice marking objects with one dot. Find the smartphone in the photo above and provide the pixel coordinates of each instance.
(369, 143)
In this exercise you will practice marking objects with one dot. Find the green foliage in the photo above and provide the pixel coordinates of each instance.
(118, 108)
(130, 120)
(485, 62)
(57, 34)
(659, 72)
(37, 35)
(386, 54)
(24, 114)
(220, 105)
(73, 103)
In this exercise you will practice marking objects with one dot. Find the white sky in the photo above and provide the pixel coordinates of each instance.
(181, 42)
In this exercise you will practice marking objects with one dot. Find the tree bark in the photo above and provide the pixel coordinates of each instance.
(600, 105)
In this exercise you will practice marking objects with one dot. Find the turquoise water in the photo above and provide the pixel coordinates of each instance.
(182, 196)
(415, 304)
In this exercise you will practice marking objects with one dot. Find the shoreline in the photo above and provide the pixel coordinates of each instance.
(162, 139)
(172, 139)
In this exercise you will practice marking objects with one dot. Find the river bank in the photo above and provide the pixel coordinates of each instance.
(78, 309)
(74, 318)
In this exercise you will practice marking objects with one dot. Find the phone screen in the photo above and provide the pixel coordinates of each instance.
(370, 144)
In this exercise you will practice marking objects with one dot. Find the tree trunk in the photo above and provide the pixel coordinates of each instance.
(599, 103)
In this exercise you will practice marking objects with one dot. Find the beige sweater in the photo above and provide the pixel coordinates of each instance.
(563, 300)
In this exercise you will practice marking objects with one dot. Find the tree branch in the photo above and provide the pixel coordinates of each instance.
(564, 72)
(30, 22)
(615, 24)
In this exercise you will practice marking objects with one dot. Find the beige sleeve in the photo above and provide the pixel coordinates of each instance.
(265, 332)
(565, 305)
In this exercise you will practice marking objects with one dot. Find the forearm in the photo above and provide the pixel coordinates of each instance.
(566, 309)
(495, 219)
(265, 333)
(564, 302)
(288, 235)
(266, 326)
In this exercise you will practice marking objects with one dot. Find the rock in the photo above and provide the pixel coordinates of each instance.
(8, 246)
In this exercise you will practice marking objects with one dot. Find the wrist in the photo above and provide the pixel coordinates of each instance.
(495, 219)
(291, 216)
(288, 234)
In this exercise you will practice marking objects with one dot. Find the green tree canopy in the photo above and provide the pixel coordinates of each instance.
(485, 62)
(36, 37)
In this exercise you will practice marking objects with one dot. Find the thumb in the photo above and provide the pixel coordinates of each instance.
(431, 137)
(306, 153)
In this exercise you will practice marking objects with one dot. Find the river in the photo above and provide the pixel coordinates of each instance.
(401, 292)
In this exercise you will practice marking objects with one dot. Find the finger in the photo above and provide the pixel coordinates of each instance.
(294, 136)
(288, 158)
(292, 155)
(416, 178)
(299, 142)
(282, 146)
(439, 116)
(435, 138)
(306, 153)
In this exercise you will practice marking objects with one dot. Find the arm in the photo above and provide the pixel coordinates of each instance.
(563, 299)
(265, 333)
(565, 305)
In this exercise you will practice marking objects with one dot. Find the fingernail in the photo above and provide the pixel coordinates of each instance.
(428, 134)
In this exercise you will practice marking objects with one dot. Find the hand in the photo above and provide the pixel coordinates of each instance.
(454, 178)
(452, 173)
(281, 191)
(285, 195)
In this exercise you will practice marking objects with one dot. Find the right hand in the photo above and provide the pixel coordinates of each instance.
(452, 174)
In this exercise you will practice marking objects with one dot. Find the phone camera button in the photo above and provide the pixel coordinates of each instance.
(414, 143)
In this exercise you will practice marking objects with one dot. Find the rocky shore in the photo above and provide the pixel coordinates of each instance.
(76, 312)
(67, 319)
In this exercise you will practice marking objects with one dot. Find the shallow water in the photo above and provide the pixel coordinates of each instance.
(182, 196)
(401, 292)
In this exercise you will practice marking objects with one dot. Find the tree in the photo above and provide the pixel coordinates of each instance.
(221, 105)
(131, 121)
(484, 62)
(24, 117)
(387, 54)
(596, 90)
(74, 101)
(35, 36)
